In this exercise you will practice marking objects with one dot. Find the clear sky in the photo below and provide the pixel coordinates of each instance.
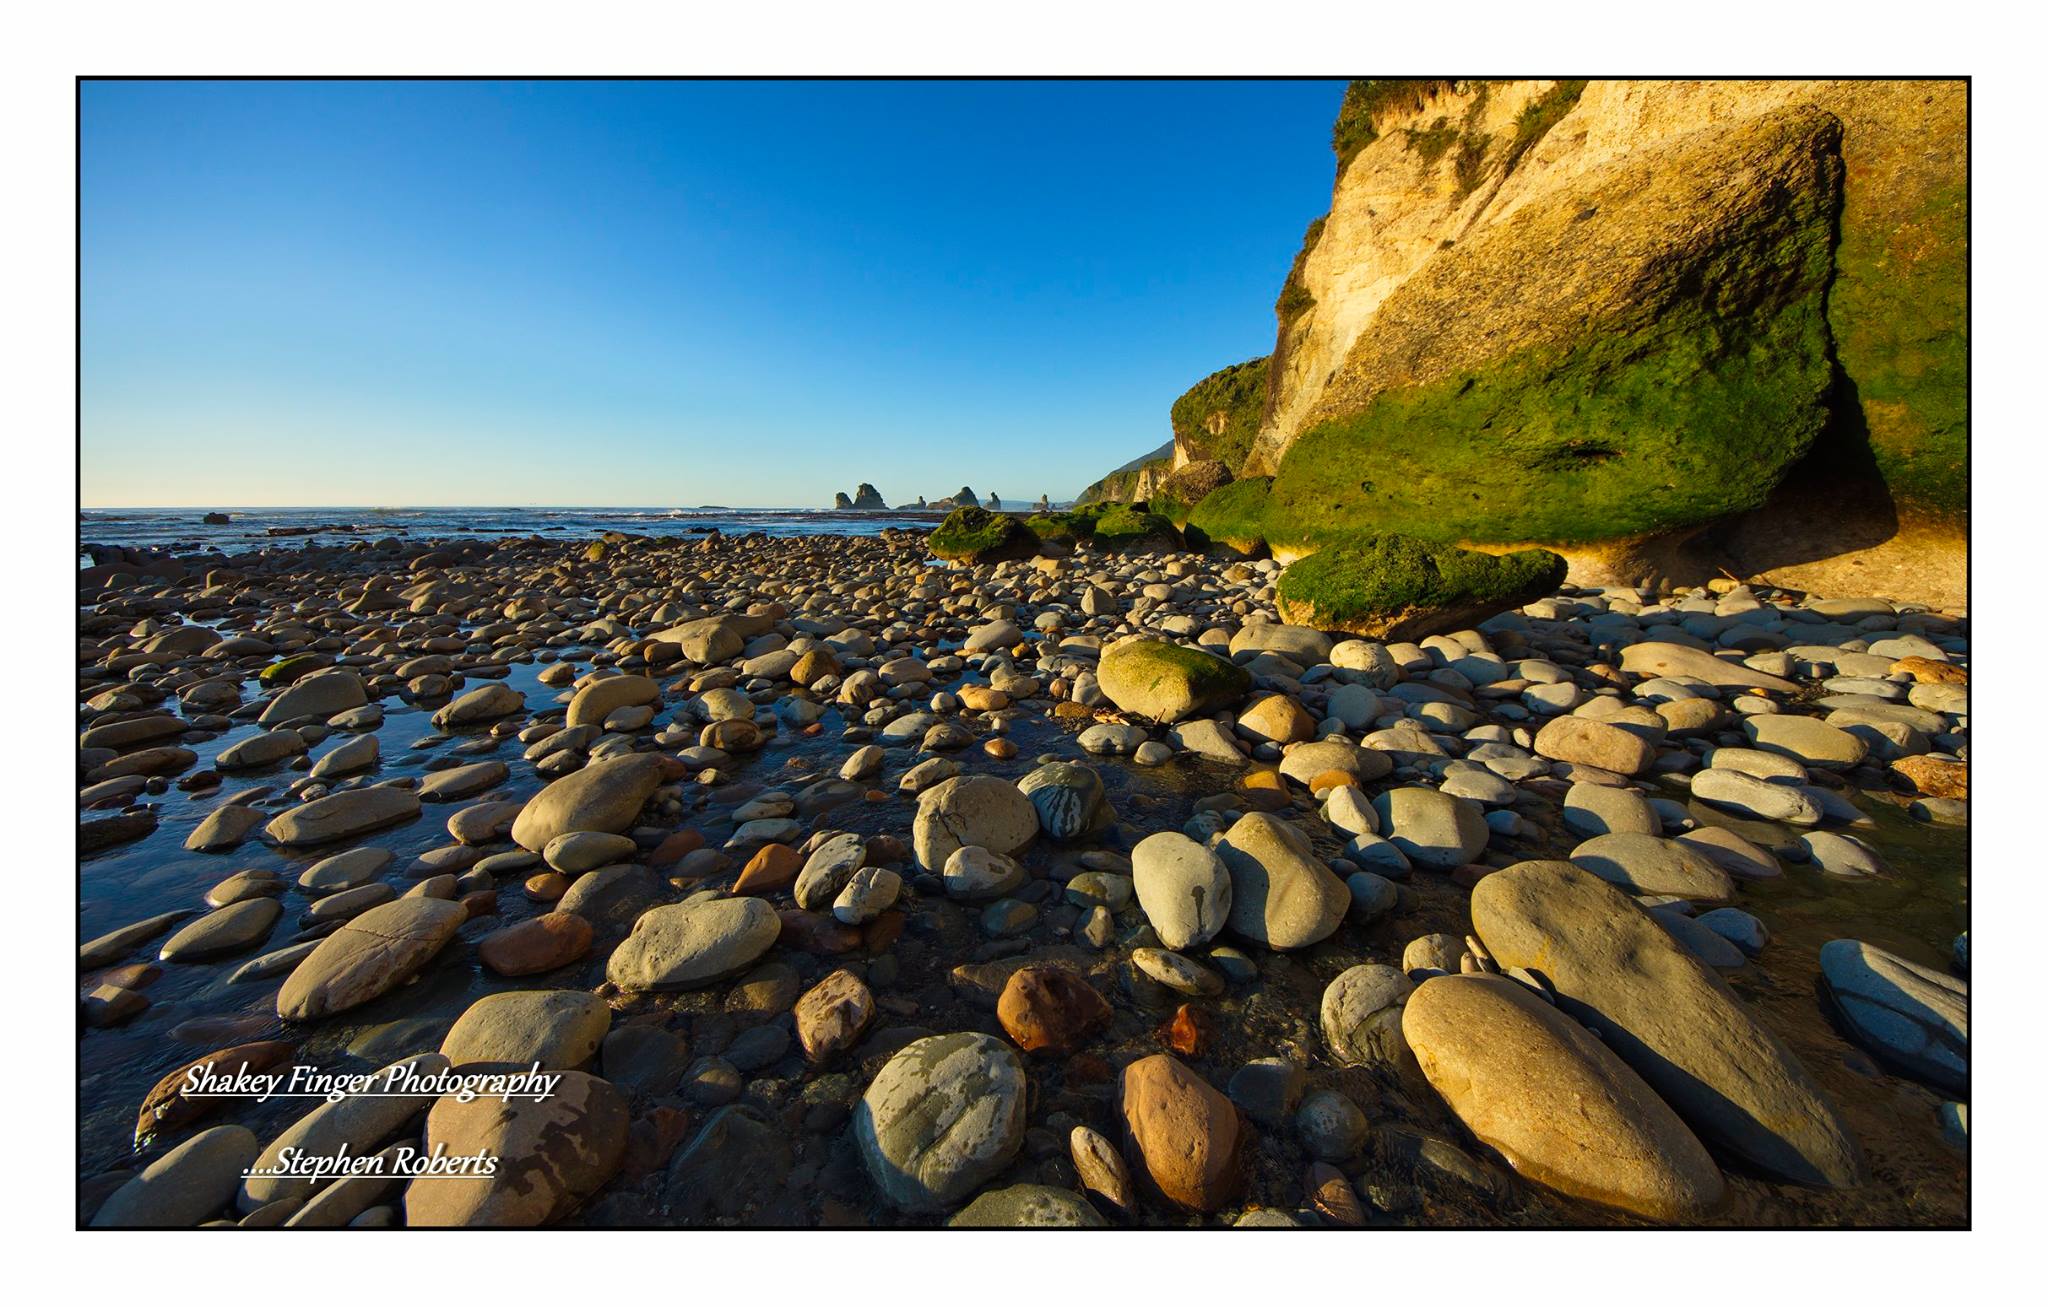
(668, 294)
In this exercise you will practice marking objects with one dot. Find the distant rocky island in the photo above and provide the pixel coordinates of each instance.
(1708, 327)
(867, 499)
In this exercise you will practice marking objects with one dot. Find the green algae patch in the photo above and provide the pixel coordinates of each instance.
(1234, 515)
(1219, 415)
(1642, 372)
(286, 670)
(1900, 312)
(1610, 439)
(975, 535)
(1127, 526)
(1077, 523)
(1170, 682)
(1396, 587)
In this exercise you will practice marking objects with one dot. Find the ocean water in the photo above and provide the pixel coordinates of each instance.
(183, 530)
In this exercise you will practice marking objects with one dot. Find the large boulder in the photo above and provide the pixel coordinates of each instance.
(342, 816)
(1668, 1016)
(1554, 1101)
(1396, 587)
(1183, 887)
(942, 1118)
(603, 796)
(1282, 895)
(552, 1153)
(601, 698)
(1912, 1016)
(321, 695)
(983, 811)
(689, 945)
(560, 1029)
(1436, 830)
(975, 535)
(370, 955)
(1188, 1138)
(1167, 682)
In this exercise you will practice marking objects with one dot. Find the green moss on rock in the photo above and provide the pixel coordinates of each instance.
(1233, 516)
(1077, 523)
(1128, 526)
(1396, 587)
(1644, 370)
(1900, 313)
(1168, 682)
(975, 535)
(1218, 416)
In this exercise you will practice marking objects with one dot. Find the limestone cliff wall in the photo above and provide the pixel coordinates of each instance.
(1445, 168)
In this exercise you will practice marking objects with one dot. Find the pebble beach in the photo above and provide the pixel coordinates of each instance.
(844, 887)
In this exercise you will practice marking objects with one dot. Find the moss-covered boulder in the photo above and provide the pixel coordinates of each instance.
(1232, 517)
(1183, 489)
(1219, 415)
(1167, 682)
(975, 535)
(1064, 529)
(1656, 355)
(1133, 527)
(1395, 587)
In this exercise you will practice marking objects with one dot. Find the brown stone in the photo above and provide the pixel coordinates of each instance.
(552, 1154)
(771, 870)
(1936, 778)
(1333, 1197)
(1188, 1031)
(1595, 744)
(1930, 671)
(166, 1107)
(1188, 1137)
(1050, 1009)
(813, 932)
(527, 948)
(547, 887)
(1557, 1103)
(832, 1016)
(673, 849)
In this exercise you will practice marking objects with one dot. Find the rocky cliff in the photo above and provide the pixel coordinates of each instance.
(1667, 328)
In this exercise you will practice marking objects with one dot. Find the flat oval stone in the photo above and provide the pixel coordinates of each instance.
(1668, 1016)
(368, 956)
(943, 1117)
(1554, 1101)
(688, 945)
(342, 816)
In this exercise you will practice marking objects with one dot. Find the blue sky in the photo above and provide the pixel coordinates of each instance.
(752, 294)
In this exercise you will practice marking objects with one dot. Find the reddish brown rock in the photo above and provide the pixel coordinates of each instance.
(771, 870)
(166, 1108)
(1050, 1010)
(1332, 1196)
(1935, 777)
(527, 948)
(1931, 671)
(812, 932)
(883, 931)
(480, 903)
(1189, 1140)
(832, 1016)
(673, 849)
(1189, 1031)
(547, 887)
